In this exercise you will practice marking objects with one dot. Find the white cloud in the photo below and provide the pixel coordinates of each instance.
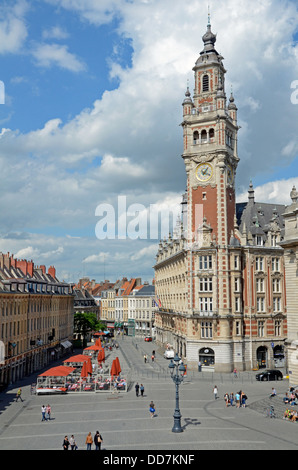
(134, 130)
(48, 55)
(56, 32)
(274, 192)
(148, 252)
(96, 12)
(27, 253)
(98, 258)
(31, 253)
(13, 29)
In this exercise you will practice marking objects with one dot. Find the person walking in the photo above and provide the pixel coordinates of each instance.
(142, 389)
(145, 358)
(137, 387)
(227, 399)
(152, 409)
(89, 441)
(215, 392)
(72, 442)
(65, 444)
(43, 413)
(232, 398)
(48, 412)
(19, 395)
(98, 440)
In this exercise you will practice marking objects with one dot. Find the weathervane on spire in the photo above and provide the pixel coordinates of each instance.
(209, 23)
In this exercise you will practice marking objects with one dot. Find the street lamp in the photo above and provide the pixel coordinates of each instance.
(177, 370)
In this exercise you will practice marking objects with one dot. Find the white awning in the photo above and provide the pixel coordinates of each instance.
(66, 344)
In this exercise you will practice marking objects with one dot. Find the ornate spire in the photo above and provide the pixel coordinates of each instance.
(251, 193)
(209, 38)
(232, 101)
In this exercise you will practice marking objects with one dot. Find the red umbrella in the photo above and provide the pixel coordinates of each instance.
(98, 343)
(114, 369)
(84, 371)
(101, 355)
(118, 365)
(89, 366)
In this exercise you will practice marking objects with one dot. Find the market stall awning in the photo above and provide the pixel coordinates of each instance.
(94, 347)
(59, 371)
(77, 358)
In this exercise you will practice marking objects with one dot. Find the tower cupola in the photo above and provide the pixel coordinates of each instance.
(209, 39)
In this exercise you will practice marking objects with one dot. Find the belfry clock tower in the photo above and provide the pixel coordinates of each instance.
(210, 147)
(220, 283)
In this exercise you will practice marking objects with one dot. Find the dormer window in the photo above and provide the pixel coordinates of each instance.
(205, 83)
(259, 240)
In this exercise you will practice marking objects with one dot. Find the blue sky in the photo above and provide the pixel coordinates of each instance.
(93, 93)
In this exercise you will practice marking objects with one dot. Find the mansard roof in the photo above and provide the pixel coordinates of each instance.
(258, 218)
(147, 289)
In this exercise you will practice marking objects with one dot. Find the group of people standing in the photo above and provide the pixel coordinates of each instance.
(239, 399)
(152, 357)
(46, 413)
(139, 388)
(72, 445)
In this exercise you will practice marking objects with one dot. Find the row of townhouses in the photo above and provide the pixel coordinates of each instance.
(36, 317)
(129, 305)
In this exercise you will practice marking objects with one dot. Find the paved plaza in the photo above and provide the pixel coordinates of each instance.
(124, 419)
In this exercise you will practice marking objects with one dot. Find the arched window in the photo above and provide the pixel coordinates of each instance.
(207, 356)
(195, 137)
(204, 136)
(205, 82)
(211, 134)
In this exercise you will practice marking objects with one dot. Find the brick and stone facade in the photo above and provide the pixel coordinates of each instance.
(221, 282)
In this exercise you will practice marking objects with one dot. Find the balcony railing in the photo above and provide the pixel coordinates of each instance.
(211, 140)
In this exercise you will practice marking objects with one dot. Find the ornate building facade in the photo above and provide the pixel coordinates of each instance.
(221, 281)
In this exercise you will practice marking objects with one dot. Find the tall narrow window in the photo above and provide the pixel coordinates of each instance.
(261, 329)
(205, 83)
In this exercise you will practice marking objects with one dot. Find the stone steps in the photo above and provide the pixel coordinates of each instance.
(277, 402)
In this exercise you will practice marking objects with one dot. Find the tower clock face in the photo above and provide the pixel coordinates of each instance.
(204, 171)
(230, 175)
